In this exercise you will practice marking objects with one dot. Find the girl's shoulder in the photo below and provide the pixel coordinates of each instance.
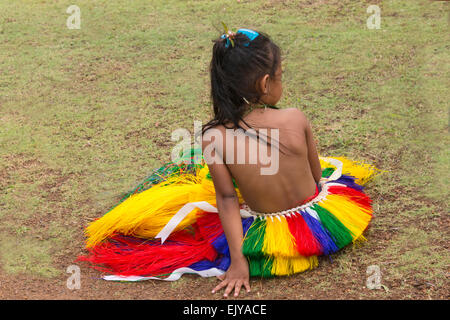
(294, 113)
(293, 116)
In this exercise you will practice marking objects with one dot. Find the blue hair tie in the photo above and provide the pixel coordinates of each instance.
(249, 33)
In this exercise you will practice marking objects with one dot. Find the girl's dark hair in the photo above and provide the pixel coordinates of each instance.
(235, 71)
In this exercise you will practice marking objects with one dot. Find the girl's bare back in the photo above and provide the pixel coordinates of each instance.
(293, 169)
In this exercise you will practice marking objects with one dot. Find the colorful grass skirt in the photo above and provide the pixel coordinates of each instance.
(169, 226)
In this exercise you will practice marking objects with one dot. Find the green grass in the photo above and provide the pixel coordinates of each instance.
(86, 114)
(27, 255)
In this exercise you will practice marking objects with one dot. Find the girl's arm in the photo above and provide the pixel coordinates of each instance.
(237, 274)
(313, 155)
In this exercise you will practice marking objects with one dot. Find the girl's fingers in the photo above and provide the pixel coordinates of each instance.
(237, 288)
(247, 285)
(221, 277)
(230, 285)
(229, 288)
(220, 286)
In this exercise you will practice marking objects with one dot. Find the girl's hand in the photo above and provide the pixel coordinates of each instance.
(236, 276)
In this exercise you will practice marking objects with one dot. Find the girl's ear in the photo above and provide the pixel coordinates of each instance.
(264, 84)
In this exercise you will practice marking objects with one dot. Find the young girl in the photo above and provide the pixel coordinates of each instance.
(260, 203)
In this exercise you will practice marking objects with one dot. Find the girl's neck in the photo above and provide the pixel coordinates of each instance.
(254, 106)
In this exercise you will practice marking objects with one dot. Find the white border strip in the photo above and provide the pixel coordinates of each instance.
(175, 275)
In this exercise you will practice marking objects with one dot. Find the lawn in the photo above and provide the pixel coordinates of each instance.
(86, 114)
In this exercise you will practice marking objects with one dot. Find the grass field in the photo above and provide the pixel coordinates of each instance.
(86, 114)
